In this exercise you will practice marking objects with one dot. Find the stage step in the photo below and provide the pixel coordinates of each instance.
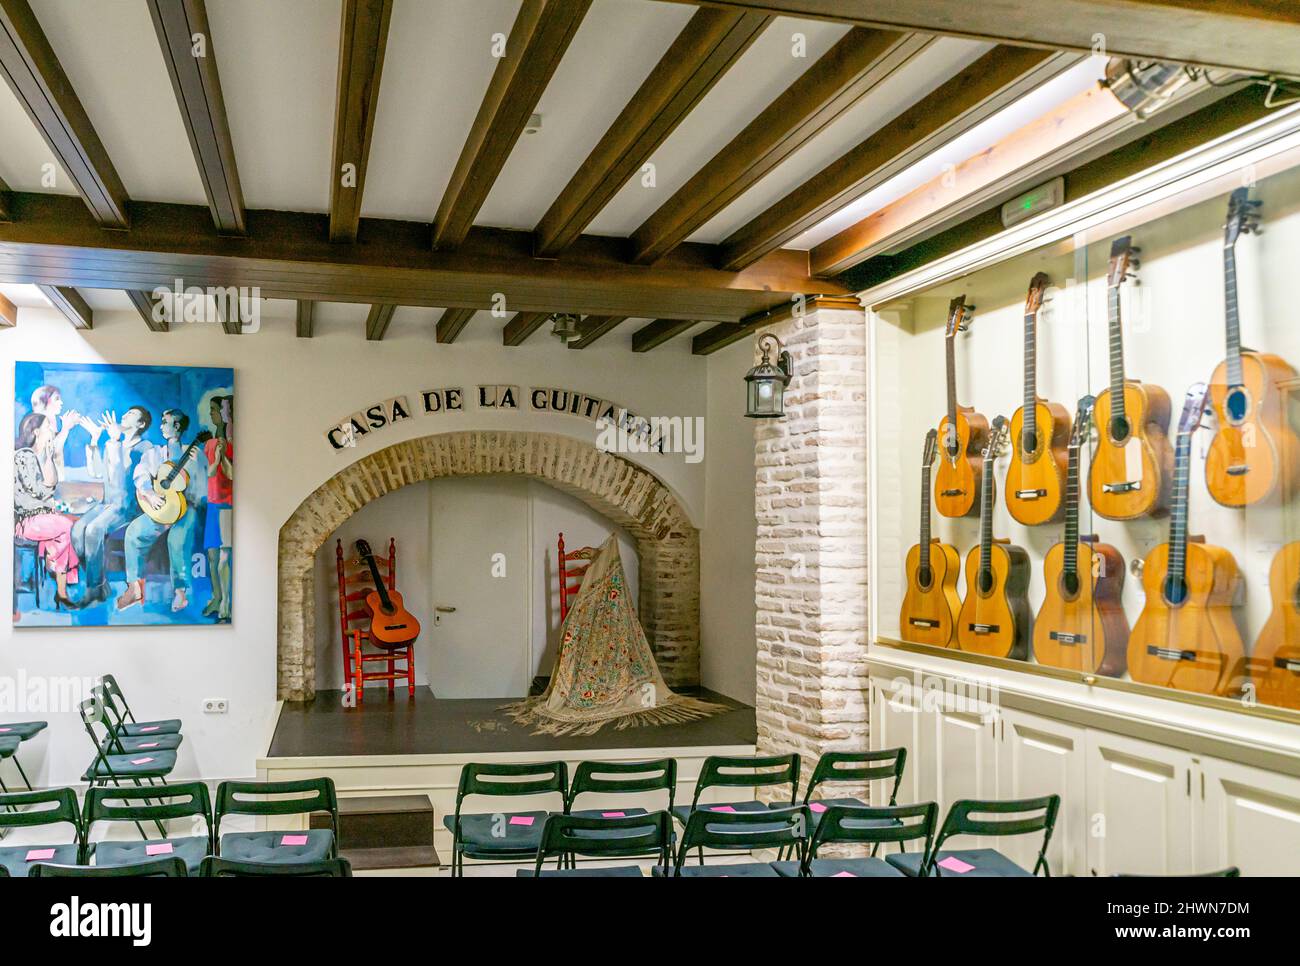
(385, 831)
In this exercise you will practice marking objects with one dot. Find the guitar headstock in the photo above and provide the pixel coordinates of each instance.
(1034, 300)
(931, 448)
(202, 438)
(363, 549)
(997, 437)
(1082, 421)
(1193, 408)
(1243, 217)
(959, 316)
(1123, 260)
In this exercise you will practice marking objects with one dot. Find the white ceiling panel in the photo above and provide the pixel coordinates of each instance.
(23, 152)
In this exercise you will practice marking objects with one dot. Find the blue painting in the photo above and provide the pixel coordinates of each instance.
(123, 494)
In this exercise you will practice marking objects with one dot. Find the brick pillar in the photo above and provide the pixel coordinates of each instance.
(811, 552)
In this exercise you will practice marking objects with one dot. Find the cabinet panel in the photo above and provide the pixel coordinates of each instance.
(1039, 756)
(897, 721)
(966, 753)
(1139, 807)
(1249, 818)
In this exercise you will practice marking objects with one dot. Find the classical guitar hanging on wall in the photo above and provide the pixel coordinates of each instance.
(929, 614)
(962, 432)
(1275, 664)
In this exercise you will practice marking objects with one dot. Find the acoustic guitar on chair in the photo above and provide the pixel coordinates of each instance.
(1275, 664)
(1081, 625)
(994, 618)
(170, 483)
(1129, 476)
(1255, 447)
(1186, 637)
(961, 433)
(391, 625)
(930, 606)
(1039, 433)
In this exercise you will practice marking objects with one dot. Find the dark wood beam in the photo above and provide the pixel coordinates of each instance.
(37, 79)
(377, 321)
(306, 318)
(188, 51)
(658, 332)
(151, 309)
(1246, 35)
(228, 314)
(287, 255)
(71, 304)
(363, 37)
(524, 324)
(724, 334)
(593, 327)
(453, 322)
(4, 201)
(973, 95)
(841, 78)
(710, 43)
(8, 313)
(537, 42)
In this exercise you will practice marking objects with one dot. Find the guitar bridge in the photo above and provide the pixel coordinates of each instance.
(952, 492)
(1171, 653)
(1062, 637)
(922, 622)
(1126, 487)
(1287, 664)
(1239, 470)
(984, 628)
(1030, 494)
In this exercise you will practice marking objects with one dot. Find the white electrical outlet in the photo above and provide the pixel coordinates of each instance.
(215, 706)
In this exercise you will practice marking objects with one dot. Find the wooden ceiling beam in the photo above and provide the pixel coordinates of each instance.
(524, 324)
(537, 42)
(363, 38)
(71, 304)
(305, 322)
(710, 43)
(656, 333)
(840, 79)
(8, 313)
(151, 309)
(725, 333)
(973, 95)
(5, 201)
(1247, 35)
(188, 51)
(287, 255)
(38, 81)
(452, 324)
(593, 327)
(377, 321)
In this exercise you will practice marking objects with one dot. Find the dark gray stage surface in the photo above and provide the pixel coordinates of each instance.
(425, 725)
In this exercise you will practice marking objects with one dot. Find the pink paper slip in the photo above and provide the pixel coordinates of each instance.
(844, 875)
(147, 744)
(613, 814)
(721, 808)
(150, 728)
(522, 819)
(35, 855)
(954, 864)
(293, 840)
(141, 761)
(6, 729)
(162, 848)
(817, 806)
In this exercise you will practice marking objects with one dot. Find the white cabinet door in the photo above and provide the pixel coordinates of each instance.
(1139, 807)
(897, 721)
(1040, 756)
(1247, 817)
(965, 742)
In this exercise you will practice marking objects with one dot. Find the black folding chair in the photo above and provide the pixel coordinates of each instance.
(502, 836)
(1031, 816)
(864, 825)
(779, 829)
(215, 867)
(615, 837)
(167, 866)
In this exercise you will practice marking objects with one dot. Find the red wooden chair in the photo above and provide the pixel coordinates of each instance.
(354, 618)
(572, 570)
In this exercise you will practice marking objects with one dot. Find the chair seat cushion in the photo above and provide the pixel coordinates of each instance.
(191, 851)
(683, 812)
(9, 745)
(740, 870)
(14, 858)
(842, 868)
(498, 833)
(270, 846)
(168, 726)
(152, 764)
(988, 864)
(147, 744)
(22, 729)
(611, 834)
(614, 872)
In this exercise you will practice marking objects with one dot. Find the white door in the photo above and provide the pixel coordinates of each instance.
(1248, 818)
(477, 638)
(1039, 756)
(1139, 807)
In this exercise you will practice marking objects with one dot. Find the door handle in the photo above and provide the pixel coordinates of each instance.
(445, 610)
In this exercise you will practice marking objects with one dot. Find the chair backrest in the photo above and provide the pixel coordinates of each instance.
(508, 779)
(1030, 815)
(114, 698)
(49, 806)
(748, 772)
(562, 835)
(778, 828)
(147, 804)
(95, 710)
(169, 866)
(355, 583)
(310, 795)
(215, 867)
(623, 777)
(859, 767)
(572, 570)
(876, 825)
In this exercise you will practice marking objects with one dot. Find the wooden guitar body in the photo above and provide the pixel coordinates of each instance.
(1035, 480)
(1085, 630)
(1146, 408)
(1276, 660)
(957, 484)
(994, 621)
(396, 628)
(1255, 448)
(929, 613)
(1201, 628)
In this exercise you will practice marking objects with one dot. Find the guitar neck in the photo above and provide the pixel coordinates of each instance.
(1178, 515)
(1031, 374)
(1071, 562)
(986, 517)
(925, 516)
(951, 349)
(180, 464)
(1116, 352)
(1230, 316)
(380, 586)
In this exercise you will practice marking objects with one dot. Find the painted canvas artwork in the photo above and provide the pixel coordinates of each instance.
(123, 494)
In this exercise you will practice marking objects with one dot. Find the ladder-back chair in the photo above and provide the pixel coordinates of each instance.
(355, 583)
(573, 567)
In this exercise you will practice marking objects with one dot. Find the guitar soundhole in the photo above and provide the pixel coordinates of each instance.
(1175, 591)
(924, 578)
(1236, 405)
(1119, 429)
(1029, 442)
(985, 581)
(1070, 584)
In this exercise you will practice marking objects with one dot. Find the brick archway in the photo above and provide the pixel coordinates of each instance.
(668, 546)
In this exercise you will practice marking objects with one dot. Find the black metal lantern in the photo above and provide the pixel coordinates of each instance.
(765, 383)
(564, 326)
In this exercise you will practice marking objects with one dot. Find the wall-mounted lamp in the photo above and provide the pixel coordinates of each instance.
(765, 383)
(564, 326)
